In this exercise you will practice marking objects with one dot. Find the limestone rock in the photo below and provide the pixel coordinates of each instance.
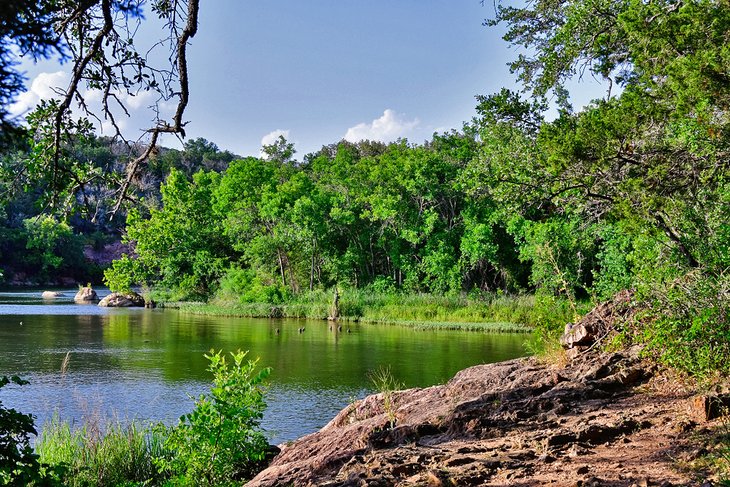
(122, 300)
(86, 295)
(51, 294)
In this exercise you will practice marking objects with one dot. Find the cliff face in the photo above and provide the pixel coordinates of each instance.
(511, 423)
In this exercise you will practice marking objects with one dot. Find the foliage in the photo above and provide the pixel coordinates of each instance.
(98, 38)
(52, 245)
(643, 170)
(393, 215)
(219, 442)
(688, 324)
(244, 286)
(26, 27)
(480, 312)
(101, 455)
(180, 246)
(19, 465)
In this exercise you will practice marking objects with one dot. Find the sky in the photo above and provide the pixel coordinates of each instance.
(321, 71)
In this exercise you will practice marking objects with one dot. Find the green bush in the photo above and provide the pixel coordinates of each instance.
(245, 286)
(19, 465)
(687, 325)
(220, 441)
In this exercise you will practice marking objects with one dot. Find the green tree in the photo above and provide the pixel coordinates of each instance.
(19, 465)
(182, 246)
(26, 26)
(98, 39)
(53, 246)
(654, 153)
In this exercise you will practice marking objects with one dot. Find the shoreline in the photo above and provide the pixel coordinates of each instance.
(608, 419)
(493, 313)
(280, 313)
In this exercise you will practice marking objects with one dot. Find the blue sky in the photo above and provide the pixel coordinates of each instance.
(322, 70)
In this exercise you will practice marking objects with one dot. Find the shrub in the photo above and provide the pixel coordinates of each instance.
(245, 286)
(688, 324)
(220, 441)
(18, 464)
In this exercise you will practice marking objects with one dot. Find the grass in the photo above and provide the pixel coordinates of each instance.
(487, 312)
(385, 383)
(101, 455)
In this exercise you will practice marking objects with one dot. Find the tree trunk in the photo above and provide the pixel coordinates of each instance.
(691, 261)
(311, 268)
(281, 268)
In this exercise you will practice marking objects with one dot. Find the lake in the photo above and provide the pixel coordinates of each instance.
(146, 364)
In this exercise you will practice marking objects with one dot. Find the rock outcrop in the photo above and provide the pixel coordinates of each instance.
(86, 295)
(597, 324)
(51, 294)
(519, 422)
(122, 300)
(105, 255)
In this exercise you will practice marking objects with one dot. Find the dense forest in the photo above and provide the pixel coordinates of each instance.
(531, 198)
(72, 241)
(630, 192)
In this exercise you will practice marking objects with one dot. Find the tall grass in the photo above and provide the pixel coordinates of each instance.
(101, 455)
(491, 312)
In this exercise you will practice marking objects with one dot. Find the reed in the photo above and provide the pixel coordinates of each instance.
(485, 312)
(101, 455)
(65, 363)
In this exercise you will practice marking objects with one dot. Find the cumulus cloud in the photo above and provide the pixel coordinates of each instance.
(272, 137)
(44, 86)
(385, 129)
(47, 85)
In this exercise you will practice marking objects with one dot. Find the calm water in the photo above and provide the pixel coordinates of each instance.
(145, 364)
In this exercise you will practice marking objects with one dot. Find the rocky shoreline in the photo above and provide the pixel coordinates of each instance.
(596, 419)
(603, 419)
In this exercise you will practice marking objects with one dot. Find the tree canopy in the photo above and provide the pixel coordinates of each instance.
(98, 40)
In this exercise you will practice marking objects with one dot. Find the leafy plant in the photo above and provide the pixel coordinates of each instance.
(220, 441)
(19, 465)
(688, 326)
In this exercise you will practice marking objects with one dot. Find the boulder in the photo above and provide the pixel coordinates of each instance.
(597, 324)
(122, 300)
(577, 334)
(488, 425)
(51, 294)
(86, 295)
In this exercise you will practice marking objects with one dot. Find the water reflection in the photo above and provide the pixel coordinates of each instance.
(145, 364)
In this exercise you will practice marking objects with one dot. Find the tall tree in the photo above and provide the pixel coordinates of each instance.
(98, 37)
(657, 152)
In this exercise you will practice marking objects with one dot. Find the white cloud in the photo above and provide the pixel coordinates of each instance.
(44, 86)
(271, 137)
(143, 99)
(385, 129)
(107, 128)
